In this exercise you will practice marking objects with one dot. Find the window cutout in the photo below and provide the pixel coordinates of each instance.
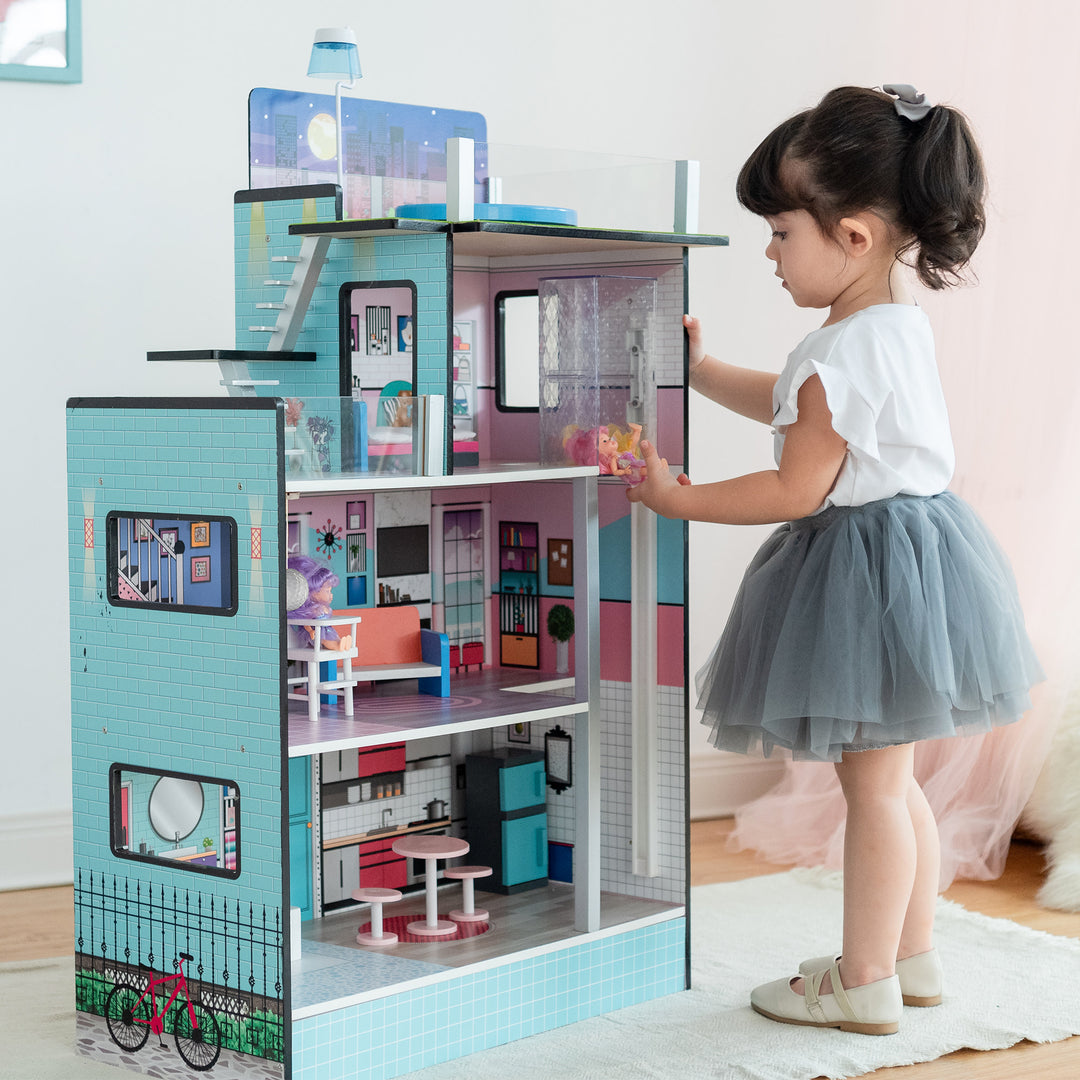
(179, 820)
(177, 562)
(517, 350)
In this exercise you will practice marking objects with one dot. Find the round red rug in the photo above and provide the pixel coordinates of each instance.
(398, 924)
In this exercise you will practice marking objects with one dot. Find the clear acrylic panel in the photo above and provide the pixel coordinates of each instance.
(597, 387)
(365, 434)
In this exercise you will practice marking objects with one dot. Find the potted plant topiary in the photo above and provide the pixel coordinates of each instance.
(560, 625)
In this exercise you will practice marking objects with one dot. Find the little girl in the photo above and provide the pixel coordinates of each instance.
(882, 612)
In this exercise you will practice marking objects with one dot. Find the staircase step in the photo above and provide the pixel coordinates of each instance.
(271, 305)
(285, 258)
(278, 281)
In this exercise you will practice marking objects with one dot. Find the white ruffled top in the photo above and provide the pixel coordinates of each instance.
(882, 386)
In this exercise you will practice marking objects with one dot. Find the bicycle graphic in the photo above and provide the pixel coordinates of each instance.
(131, 1017)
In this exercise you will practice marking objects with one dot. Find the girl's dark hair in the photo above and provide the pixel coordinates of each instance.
(854, 152)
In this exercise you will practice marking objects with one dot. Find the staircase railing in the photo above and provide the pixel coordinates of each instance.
(146, 563)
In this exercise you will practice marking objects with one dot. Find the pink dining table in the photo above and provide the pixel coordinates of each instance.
(431, 849)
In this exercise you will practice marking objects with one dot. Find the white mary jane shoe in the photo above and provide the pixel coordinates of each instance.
(920, 976)
(873, 1009)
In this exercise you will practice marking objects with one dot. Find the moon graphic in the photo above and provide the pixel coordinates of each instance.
(322, 136)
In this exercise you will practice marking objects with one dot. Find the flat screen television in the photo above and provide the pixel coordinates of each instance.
(401, 550)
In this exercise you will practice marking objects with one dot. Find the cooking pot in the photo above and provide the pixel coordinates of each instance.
(436, 810)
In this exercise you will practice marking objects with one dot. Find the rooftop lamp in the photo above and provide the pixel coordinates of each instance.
(334, 55)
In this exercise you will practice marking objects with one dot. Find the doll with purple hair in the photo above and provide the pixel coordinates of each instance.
(320, 581)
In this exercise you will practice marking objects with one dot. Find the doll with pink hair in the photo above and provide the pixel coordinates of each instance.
(602, 446)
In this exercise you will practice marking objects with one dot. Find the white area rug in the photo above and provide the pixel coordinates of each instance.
(743, 933)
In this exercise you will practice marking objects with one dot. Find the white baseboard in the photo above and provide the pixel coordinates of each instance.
(35, 850)
(720, 783)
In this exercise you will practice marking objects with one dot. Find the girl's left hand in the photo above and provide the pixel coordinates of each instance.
(658, 485)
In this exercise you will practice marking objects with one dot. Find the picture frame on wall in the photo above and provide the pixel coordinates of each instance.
(200, 534)
(404, 333)
(169, 537)
(200, 569)
(520, 732)
(356, 515)
(355, 553)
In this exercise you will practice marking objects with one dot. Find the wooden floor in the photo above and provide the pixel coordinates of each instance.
(36, 924)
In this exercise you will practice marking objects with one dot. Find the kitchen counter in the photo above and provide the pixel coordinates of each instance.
(392, 834)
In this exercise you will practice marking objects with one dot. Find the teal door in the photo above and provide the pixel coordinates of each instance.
(300, 889)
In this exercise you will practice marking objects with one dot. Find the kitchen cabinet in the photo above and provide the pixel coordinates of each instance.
(341, 874)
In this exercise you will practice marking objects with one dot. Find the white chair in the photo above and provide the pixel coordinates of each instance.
(311, 658)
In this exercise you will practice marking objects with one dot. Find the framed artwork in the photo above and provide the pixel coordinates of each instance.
(404, 333)
(560, 563)
(356, 591)
(355, 553)
(41, 40)
(354, 333)
(142, 528)
(377, 324)
(519, 732)
(356, 515)
(200, 568)
(169, 537)
(200, 534)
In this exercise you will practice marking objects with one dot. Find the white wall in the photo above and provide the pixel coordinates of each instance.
(117, 231)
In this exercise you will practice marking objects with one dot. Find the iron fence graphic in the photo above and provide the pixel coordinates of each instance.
(124, 929)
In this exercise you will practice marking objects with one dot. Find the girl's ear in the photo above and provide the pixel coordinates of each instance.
(856, 235)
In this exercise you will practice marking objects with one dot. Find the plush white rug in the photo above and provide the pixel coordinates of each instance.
(1004, 983)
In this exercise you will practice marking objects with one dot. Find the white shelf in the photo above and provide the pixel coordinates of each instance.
(392, 712)
(490, 472)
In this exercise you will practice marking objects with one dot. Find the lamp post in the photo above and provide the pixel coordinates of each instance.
(334, 55)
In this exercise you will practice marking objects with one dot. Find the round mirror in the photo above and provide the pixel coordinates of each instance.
(175, 807)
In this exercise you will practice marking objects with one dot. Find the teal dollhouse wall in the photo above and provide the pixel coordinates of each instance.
(178, 691)
(262, 232)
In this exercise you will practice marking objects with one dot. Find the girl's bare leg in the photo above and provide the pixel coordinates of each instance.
(880, 862)
(918, 931)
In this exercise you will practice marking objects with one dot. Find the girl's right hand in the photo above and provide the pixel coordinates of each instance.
(693, 333)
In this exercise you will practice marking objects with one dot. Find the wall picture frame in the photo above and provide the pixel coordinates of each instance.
(520, 732)
(169, 537)
(200, 569)
(200, 534)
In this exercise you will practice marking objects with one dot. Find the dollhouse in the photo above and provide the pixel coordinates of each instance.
(240, 808)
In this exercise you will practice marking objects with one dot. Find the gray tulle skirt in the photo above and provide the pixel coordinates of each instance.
(869, 626)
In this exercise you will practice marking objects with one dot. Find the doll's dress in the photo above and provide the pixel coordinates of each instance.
(890, 615)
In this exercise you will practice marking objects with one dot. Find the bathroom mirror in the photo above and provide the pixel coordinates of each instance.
(175, 807)
(178, 820)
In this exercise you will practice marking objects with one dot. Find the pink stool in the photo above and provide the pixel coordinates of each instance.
(467, 874)
(376, 898)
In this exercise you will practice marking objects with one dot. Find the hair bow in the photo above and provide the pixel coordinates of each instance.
(909, 103)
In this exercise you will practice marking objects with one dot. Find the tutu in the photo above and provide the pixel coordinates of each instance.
(870, 626)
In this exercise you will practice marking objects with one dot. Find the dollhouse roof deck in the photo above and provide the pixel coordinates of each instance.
(495, 238)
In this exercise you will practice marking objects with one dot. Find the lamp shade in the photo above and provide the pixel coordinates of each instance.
(334, 54)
